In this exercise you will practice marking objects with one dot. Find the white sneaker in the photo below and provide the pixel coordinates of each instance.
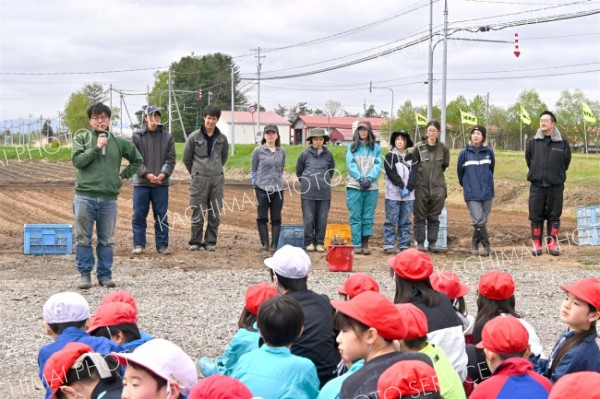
(138, 251)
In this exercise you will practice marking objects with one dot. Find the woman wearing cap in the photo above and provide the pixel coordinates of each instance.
(412, 269)
(400, 178)
(314, 169)
(363, 160)
(268, 163)
(475, 170)
(495, 297)
(368, 324)
(433, 158)
(576, 348)
(158, 369)
(77, 372)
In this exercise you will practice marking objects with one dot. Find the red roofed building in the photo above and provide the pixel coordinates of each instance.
(340, 128)
(245, 126)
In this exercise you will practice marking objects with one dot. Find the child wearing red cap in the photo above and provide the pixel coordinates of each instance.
(272, 371)
(246, 338)
(505, 342)
(496, 298)
(583, 384)
(409, 380)
(66, 317)
(412, 269)
(76, 371)
(576, 348)
(220, 387)
(448, 283)
(117, 321)
(416, 341)
(368, 324)
(357, 283)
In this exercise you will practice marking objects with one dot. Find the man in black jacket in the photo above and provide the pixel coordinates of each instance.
(151, 182)
(548, 156)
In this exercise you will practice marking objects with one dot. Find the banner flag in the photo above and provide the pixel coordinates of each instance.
(467, 118)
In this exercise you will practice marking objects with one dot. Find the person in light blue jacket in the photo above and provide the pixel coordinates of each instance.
(246, 338)
(272, 372)
(364, 163)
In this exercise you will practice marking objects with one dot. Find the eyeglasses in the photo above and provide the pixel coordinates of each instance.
(432, 130)
(100, 118)
(270, 132)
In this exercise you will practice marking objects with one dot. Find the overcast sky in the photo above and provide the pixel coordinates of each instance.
(70, 43)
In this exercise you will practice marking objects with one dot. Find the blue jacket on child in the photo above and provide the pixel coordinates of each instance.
(475, 170)
(73, 334)
(583, 357)
(274, 373)
(332, 389)
(243, 341)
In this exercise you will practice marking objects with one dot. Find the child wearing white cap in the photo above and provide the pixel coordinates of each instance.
(158, 369)
(66, 317)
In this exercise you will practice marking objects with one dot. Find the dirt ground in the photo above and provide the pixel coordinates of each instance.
(42, 192)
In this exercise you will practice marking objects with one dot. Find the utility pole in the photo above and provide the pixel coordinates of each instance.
(444, 72)
(430, 65)
(170, 83)
(487, 113)
(110, 96)
(258, 68)
(232, 114)
(147, 95)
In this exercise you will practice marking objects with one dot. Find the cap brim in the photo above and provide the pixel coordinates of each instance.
(348, 308)
(480, 345)
(269, 263)
(390, 261)
(464, 290)
(342, 290)
(573, 289)
(125, 358)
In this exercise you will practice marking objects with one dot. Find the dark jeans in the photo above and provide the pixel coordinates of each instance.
(206, 195)
(266, 203)
(545, 203)
(314, 217)
(142, 198)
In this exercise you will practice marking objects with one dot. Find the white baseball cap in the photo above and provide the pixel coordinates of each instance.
(166, 360)
(66, 307)
(290, 262)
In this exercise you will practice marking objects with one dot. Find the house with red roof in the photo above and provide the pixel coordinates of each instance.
(245, 129)
(340, 128)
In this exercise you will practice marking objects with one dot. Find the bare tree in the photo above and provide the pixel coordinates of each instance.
(332, 107)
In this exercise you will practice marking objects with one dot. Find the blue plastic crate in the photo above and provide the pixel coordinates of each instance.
(442, 241)
(291, 235)
(588, 225)
(48, 239)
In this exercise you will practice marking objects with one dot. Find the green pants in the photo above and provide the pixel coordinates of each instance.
(361, 205)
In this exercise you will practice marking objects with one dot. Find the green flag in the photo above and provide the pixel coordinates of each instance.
(420, 119)
(467, 118)
(588, 115)
(525, 116)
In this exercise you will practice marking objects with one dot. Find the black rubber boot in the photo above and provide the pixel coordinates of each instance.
(365, 246)
(475, 242)
(485, 241)
(419, 231)
(432, 235)
(263, 233)
(536, 237)
(275, 231)
(85, 282)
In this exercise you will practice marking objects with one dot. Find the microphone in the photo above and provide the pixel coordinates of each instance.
(104, 148)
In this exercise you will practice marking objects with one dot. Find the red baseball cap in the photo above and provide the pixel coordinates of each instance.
(577, 385)
(407, 378)
(357, 283)
(504, 334)
(376, 311)
(121, 296)
(256, 294)
(112, 314)
(414, 319)
(496, 285)
(220, 387)
(412, 265)
(449, 284)
(587, 289)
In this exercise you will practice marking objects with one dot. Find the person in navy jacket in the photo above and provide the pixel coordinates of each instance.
(475, 170)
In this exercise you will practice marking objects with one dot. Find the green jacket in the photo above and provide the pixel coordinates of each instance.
(100, 175)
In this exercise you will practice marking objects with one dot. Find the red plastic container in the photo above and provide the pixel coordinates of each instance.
(340, 257)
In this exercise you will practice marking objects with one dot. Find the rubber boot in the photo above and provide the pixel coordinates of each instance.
(85, 282)
(475, 242)
(485, 241)
(419, 231)
(365, 246)
(553, 240)
(536, 237)
(432, 236)
(263, 233)
(275, 230)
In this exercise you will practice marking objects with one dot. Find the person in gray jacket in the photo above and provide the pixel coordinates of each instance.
(314, 169)
(205, 154)
(151, 181)
(268, 163)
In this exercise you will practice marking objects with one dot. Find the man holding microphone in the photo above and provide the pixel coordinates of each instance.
(97, 156)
